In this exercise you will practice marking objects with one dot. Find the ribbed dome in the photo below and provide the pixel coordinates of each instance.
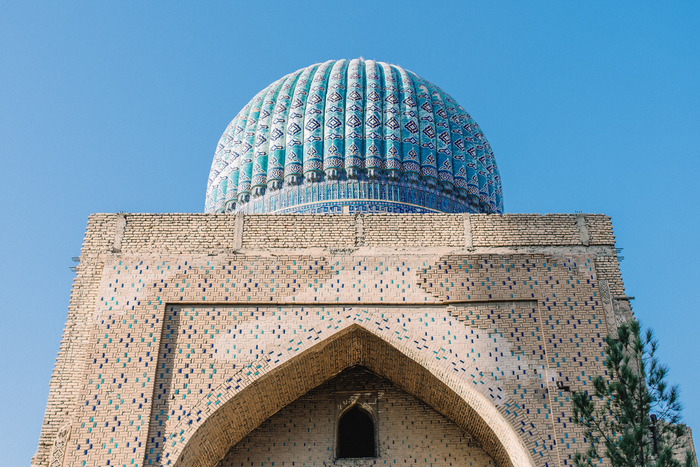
(363, 134)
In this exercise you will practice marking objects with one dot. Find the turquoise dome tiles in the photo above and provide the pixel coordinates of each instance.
(359, 134)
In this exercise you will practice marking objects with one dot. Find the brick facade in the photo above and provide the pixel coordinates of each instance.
(188, 334)
(407, 428)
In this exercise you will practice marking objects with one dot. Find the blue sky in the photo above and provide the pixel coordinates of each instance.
(118, 106)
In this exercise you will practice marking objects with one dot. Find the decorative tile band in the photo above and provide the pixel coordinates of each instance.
(360, 196)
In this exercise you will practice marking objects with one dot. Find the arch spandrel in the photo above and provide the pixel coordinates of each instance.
(243, 402)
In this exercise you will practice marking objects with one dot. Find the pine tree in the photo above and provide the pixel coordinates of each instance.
(633, 419)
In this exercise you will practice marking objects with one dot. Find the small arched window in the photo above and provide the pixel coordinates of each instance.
(356, 434)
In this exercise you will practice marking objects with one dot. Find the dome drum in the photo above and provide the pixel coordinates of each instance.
(363, 134)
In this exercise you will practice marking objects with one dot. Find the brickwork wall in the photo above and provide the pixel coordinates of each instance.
(407, 429)
(600, 230)
(525, 229)
(100, 234)
(487, 334)
(68, 375)
(178, 233)
(608, 268)
(299, 231)
(414, 230)
(215, 233)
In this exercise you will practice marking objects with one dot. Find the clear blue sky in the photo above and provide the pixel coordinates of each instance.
(108, 106)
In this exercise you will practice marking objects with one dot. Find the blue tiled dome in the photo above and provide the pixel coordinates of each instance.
(363, 134)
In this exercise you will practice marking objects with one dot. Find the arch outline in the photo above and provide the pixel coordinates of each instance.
(223, 417)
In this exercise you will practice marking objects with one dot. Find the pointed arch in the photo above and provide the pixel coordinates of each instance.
(356, 433)
(216, 424)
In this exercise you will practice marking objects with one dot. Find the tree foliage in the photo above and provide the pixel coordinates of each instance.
(633, 418)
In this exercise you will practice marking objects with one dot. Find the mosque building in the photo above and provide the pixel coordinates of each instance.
(352, 295)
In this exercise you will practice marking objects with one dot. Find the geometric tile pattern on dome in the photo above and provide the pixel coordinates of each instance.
(181, 342)
(346, 123)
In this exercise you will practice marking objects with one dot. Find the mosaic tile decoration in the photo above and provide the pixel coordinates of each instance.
(507, 365)
(368, 196)
(187, 331)
(407, 428)
(321, 134)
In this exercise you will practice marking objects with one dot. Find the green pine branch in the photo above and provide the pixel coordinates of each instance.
(634, 418)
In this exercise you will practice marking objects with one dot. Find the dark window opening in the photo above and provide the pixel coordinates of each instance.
(356, 434)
